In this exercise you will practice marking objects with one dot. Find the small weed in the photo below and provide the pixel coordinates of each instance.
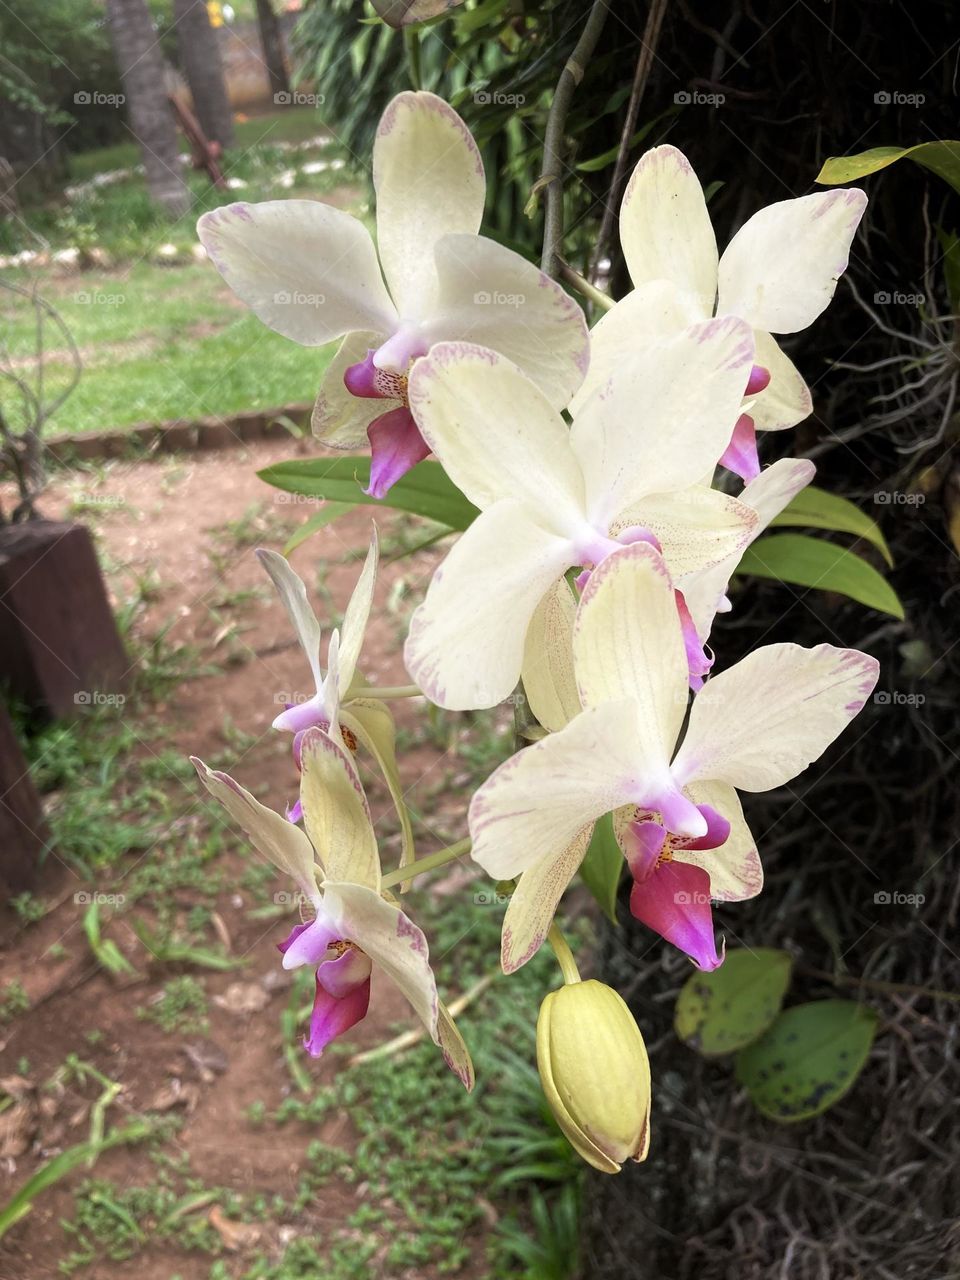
(13, 1000)
(181, 1006)
(28, 908)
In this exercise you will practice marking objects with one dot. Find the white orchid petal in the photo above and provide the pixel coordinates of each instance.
(335, 811)
(537, 803)
(649, 313)
(279, 841)
(665, 228)
(663, 419)
(628, 644)
(395, 945)
(293, 594)
(465, 644)
(734, 868)
(768, 494)
(534, 902)
(357, 615)
(429, 182)
(340, 419)
(548, 679)
(495, 432)
(696, 527)
(786, 400)
(760, 723)
(780, 270)
(492, 297)
(308, 270)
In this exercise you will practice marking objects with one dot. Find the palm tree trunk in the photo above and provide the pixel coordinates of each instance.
(150, 119)
(200, 57)
(272, 48)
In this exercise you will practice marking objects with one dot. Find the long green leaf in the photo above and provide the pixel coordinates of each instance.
(424, 491)
(941, 158)
(813, 562)
(602, 866)
(818, 509)
(330, 511)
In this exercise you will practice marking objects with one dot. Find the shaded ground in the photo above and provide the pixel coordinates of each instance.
(259, 1153)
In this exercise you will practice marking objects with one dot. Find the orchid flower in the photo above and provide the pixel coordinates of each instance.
(356, 930)
(676, 812)
(341, 705)
(553, 498)
(778, 273)
(311, 273)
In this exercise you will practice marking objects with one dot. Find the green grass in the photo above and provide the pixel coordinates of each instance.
(161, 343)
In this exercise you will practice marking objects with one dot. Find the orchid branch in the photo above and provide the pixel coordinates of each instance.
(430, 863)
(550, 177)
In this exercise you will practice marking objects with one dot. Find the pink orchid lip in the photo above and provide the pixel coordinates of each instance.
(740, 455)
(758, 381)
(400, 350)
(396, 446)
(299, 716)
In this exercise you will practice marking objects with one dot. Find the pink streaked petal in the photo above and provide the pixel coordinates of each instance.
(740, 455)
(295, 812)
(699, 662)
(675, 902)
(395, 446)
(341, 976)
(333, 1015)
(758, 381)
(307, 944)
(642, 843)
(718, 831)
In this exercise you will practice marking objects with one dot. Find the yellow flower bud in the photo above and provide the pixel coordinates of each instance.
(594, 1070)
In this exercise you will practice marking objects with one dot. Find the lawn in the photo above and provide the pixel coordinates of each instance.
(161, 341)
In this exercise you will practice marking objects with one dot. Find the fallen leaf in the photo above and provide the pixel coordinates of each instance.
(235, 1235)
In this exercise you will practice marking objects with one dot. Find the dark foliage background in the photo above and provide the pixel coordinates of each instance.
(870, 1189)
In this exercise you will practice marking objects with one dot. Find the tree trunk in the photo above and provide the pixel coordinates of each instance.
(200, 56)
(272, 48)
(151, 121)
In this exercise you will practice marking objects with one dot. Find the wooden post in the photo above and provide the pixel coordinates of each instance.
(24, 834)
(59, 644)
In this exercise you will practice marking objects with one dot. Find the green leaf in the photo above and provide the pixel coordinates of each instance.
(819, 509)
(401, 13)
(813, 562)
(941, 158)
(425, 491)
(808, 1059)
(331, 511)
(601, 868)
(722, 1011)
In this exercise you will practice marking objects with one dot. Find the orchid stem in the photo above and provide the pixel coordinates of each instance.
(584, 287)
(429, 863)
(551, 177)
(388, 691)
(561, 949)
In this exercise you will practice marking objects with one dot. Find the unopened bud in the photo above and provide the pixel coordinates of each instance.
(595, 1073)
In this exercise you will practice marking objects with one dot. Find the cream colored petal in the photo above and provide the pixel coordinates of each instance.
(340, 419)
(534, 902)
(357, 615)
(335, 811)
(786, 400)
(373, 725)
(695, 527)
(761, 722)
(548, 680)
(429, 182)
(293, 594)
(734, 868)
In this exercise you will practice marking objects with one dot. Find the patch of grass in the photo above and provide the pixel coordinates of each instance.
(182, 1006)
(28, 908)
(13, 1000)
